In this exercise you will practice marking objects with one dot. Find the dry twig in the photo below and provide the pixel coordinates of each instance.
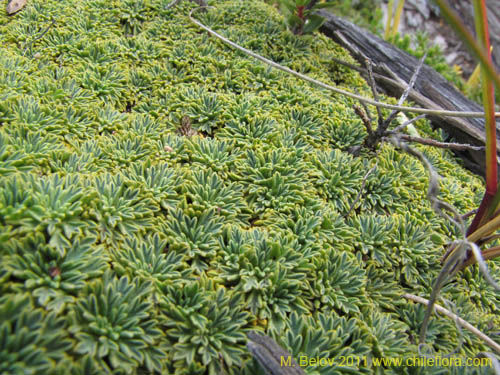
(39, 37)
(446, 145)
(405, 94)
(374, 89)
(401, 127)
(358, 197)
(450, 267)
(363, 115)
(328, 87)
(457, 319)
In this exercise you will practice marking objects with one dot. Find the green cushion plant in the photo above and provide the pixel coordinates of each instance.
(128, 247)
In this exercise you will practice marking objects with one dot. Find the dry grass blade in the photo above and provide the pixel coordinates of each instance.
(358, 197)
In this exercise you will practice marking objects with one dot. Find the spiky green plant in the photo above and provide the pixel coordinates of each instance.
(338, 178)
(208, 192)
(146, 126)
(307, 125)
(338, 284)
(31, 341)
(274, 180)
(113, 325)
(147, 261)
(206, 324)
(255, 130)
(109, 120)
(118, 209)
(219, 156)
(53, 278)
(194, 237)
(106, 84)
(266, 273)
(148, 197)
(127, 149)
(11, 160)
(15, 202)
(158, 182)
(54, 210)
(324, 336)
(385, 332)
(344, 135)
(205, 110)
(36, 117)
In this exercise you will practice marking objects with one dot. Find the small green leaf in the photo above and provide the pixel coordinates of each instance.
(198, 320)
(313, 23)
(250, 283)
(294, 20)
(288, 5)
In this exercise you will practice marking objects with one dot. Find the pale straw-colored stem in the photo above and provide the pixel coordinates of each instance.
(331, 88)
(492, 344)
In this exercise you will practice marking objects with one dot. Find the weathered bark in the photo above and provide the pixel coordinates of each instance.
(431, 90)
(272, 357)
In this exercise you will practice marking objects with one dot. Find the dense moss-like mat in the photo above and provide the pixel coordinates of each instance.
(130, 246)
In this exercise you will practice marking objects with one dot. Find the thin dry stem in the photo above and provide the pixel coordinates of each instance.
(433, 191)
(364, 118)
(173, 4)
(482, 266)
(401, 127)
(494, 361)
(373, 86)
(443, 277)
(457, 319)
(469, 214)
(358, 197)
(485, 240)
(405, 94)
(446, 145)
(455, 257)
(328, 87)
(40, 36)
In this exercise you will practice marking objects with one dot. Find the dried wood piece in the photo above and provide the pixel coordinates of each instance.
(271, 356)
(15, 6)
(432, 91)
